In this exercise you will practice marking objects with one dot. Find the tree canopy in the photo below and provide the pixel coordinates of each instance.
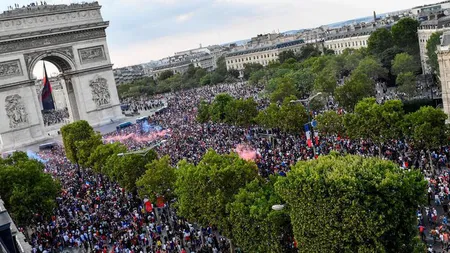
(76, 132)
(379, 41)
(432, 43)
(158, 180)
(29, 193)
(352, 204)
(204, 190)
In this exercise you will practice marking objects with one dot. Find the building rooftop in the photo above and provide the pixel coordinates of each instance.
(266, 48)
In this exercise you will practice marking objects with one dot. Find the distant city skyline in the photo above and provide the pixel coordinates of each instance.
(144, 30)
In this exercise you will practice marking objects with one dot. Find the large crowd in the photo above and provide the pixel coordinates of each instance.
(54, 117)
(95, 214)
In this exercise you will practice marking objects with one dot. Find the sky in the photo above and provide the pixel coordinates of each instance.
(145, 30)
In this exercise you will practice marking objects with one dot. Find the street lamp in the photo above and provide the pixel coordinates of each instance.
(144, 151)
(308, 101)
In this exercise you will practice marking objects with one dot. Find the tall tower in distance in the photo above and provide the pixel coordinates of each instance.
(374, 16)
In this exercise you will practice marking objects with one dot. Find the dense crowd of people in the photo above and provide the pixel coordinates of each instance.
(95, 214)
(54, 117)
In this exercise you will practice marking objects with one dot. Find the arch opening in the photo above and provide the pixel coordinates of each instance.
(55, 93)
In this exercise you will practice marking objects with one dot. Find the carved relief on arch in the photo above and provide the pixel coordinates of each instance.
(10, 69)
(100, 91)
(15, 110)
(92, 54)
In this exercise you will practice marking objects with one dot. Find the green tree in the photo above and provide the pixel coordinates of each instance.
(203, 112)
(101, 153)
(292, 116)
(221, 67)
(407, 83)
(234, 73)
(257, 77)
(404, 34)
(304, 81)
(308, 51)
(241, 112)
(255, 226)
(330, 123)
(404, 63)
(205, 80)
(158, 180)
(285, 88)
(204, 190)
(199, 74)
(379, 41)
(249, 68)
(432, 43)
(29, 193)
(388, 56)
(353, 204)
(71, 134)
(165, 75)
(357, 87)
(426, 127)
(325, 81)
(86, 147)
(217, 108)
(376, 122)
(217, 78)
(372, 68)
(286, 55)
(126, 169)
(268, 117)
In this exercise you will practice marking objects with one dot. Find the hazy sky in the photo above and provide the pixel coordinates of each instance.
(144, 30)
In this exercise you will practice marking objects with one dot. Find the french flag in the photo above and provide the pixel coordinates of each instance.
(308, 135)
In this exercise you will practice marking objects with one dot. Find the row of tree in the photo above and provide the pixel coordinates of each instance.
(286, 116)
(382, 123)
(324, 206)
(322, 197)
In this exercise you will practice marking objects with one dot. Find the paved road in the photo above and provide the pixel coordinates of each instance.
(102, 129)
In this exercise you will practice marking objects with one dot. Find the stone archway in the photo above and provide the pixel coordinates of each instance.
(73, 38)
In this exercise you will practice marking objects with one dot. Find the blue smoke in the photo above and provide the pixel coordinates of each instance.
(147, 127)
(35, 156)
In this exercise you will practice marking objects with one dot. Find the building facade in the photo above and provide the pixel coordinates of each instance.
(426, 29)
(11, 240)
(443, 54)
(262, 55)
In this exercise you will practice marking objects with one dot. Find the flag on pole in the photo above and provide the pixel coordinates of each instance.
(316, 137)
(46, 95)
(308, 135)
(308, 138)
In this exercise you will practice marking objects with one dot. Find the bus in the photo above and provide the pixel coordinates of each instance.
(123, 125)
(141, 119)
(47, 146)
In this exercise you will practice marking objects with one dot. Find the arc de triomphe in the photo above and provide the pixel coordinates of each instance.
(73, 38)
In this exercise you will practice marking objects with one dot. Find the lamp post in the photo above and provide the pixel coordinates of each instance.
(308, 101)
(278, 207)
(143, 152)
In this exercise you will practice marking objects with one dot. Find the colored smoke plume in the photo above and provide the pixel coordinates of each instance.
(35, 156)
(246, 152)
(143, 138)
(147, 127)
